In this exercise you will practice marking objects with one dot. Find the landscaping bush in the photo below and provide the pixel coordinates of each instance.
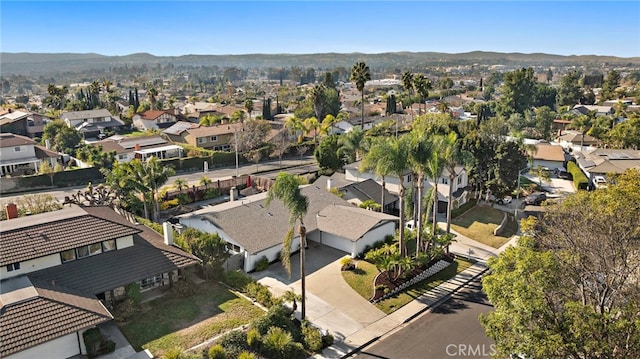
(92, 340)
(246, 355)
(217, 352)
(277, 316)
(580, 181)
(347, 263)
(124, 310)
(183, 288)
(209, 194)
(236, 279)
(164, 205)
(260, 293)
(234, 343)
(311, 336)
(262, 263)
(133, 293)
(253, 338)
(327, 340)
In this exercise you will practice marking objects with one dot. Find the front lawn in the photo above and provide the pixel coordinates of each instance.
(479, 224)
(361, 280)
(183, 322)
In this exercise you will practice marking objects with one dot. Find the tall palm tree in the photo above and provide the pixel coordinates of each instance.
(312, 124)
(153, 93)
(452, 157)
(420, 151)
(422, 86)
(375, 161)
(156, 175)
(407, 83)
(286, 188)
(318, 100)
(434, 170)
(360, 74)
(248, 105)
(392, 155)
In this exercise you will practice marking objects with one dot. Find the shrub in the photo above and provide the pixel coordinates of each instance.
(133, 293)
(311, 336)
(262, 263)
(347, 263)
(164, 205)
(92, 340)
(124, 310)
(183, 198)
(234, 343)
(253, 337)
(580, 181)
(183, 289)
(277, 316)
(246, 355)
(236, 279)
(211, 193)
(173, 353)
(327, 340)
(260, 293)
(217, 352)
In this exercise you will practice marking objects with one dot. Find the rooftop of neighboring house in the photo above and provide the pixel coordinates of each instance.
(12, 140)
(576, 137)
(548, 152)
(36, 311)
(81, 115)
(215, 130)
(154, 114)
(608, 160)
(12, 116)
(122, 144)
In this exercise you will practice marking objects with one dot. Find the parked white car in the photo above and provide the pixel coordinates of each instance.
(600, 182)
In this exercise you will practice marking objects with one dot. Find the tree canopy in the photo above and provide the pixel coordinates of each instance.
(570, 288)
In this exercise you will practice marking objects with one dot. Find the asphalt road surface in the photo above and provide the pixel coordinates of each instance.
(451, 330)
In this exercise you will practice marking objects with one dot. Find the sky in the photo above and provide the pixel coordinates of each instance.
(174, 28)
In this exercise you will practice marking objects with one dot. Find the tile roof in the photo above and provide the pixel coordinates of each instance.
(46, 311)
(27, 238)
(222, 129)
(10, 140)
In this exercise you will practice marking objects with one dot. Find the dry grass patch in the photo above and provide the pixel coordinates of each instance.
(479, 224)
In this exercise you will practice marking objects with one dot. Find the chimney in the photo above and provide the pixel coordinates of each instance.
(12, 211)
(167, 229)
(47, 143)
(232, 194)
(137, 147)
(329, 184)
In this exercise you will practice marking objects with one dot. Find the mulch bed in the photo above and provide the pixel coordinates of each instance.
(387, 280)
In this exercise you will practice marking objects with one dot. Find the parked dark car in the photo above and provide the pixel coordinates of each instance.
(535, 198)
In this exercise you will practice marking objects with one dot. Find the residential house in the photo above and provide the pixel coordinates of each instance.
(460, 190)
(576, 141)
(23, 123)
(603, 162)
(20, 155)
(549, 156)
(599, 110)
(92, 123)
(253, 230)
(218, 137)
(357, 193)
(128, 148)
(154, 119)
(79, 260)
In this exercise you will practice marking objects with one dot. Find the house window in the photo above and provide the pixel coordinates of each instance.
(95, 248)
(122, 157)
(151, 282)
(445, 180)
(17, 149)
(202, 140)
(13, 266)
(68, 255)
(213, 138)
(83, 251)
(409, 178)
(460, 179)
(109, 245)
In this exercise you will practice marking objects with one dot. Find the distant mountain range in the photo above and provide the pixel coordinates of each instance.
(50, 63)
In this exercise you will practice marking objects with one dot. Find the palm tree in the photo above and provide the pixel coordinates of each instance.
(286, 188)
(407, 83)
(180, 184)
(452, 157)
(350, 144)
(422, 86)
(294, 125)
(391, 156)
(318, 99)
(360, 74)
(205, 181)
(420, 151)
(375, 161)
(279, 342)
(434, 170)
(156, 175)
(152, 93)
(312, 124)
(248, 105)
(291, 296)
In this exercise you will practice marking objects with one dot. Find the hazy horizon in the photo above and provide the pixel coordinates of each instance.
(175, 28)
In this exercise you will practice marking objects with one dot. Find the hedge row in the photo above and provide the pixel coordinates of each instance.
(580, 181)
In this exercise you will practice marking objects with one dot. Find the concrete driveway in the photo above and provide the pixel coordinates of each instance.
(331, 304)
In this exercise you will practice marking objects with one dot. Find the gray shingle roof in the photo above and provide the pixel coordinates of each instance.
(45, 312)
(350, 222)
(257, 227)
(80, 115)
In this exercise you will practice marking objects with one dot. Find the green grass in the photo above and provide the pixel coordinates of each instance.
(397, 301)
(361, 279)
(173, 321)
(479, 224)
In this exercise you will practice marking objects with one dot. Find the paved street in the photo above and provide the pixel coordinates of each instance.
(451, 330)
(193, 178)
